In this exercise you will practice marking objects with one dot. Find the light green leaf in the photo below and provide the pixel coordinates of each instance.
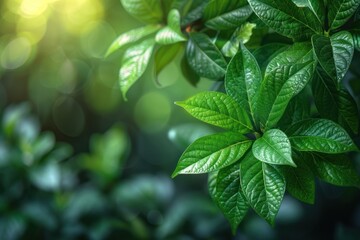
(219, 110)
(148, 11)
(339, 11)
(336, 105)
(243, 79)
(274, 148)
(165, 55)
(320, 135)
(211, 153)
(335, 53)
(230, 197)
(263, 186)
(335, 169)
(134, 64)
(229, 20)
(131, 36)
(316, 6)
(172, 32)
(204, 57)
(286, 18)
(240, 35)
(286, 75)
(300, 181)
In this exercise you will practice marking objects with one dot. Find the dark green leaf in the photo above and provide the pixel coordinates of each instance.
(336, 169)
(145, 10)
(286, 18)
(211, 153)
(219, 110)
(339, 11)
(263, 185)
(316, 6)
(267, 52)
(218, 7)
(134, 64)
(172, 32)
(274, 148)
(286, 75)
(320, 135)
(229, 195)
(356, 37)
(243, 79)
(334, 104)
(334, 53)
(204, 57)
(189, 74)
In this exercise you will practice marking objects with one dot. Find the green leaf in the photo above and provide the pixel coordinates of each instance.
(286, 18)
(356, 37)
(320, 135)
(165, 55)
(267, 52)
(263, 186)
(335, 53)
(230, 197)
(189, 74)
(219, 110)
(134, 64)
(212, 153)
(336, 169)
(131, 36)
(229, 20)
(204, 57)
(300, 181)
(286, 75)
(218, 7)
(148, 11)
(212, 184)
(336, 105)
(274, 148)
(240, 35)
(172, 32)
(316, 6)
(243, 79)
(339, 11)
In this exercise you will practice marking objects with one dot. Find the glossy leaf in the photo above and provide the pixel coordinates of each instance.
(267, 52)
(274, 148)
(335, 53)
(134, 64)
(219, 110)
(320, 135)
(165, 55)
(316, 6)
(218, 7)
(172, 32)
(204, 57)
(243, 79)
(339, 11)
(356, 37)
(148, 11)
(211, 153)
(286, 18)
(229, 195)
(131, 36)
(336, 169)
(286, 75)
(229, 20)
(263, 186)
(336, 105)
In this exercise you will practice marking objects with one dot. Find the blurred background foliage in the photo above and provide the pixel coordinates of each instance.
(77, 162)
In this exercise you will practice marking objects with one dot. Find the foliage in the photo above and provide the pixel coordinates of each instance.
(268, 54)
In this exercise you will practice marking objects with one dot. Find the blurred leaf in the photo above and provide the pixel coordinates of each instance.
(171, 33)
(165, 55)
(41, 214)
(12, 116)
(12, 227)
(189, 74)
(148, 11)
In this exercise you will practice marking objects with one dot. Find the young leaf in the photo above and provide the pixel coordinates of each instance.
(172, 32)
(243, 79)
(204, 57)
(229, 20)
(274, 148)
(320, 135)
(336, 169)
(134, 64)
(300, 181)
(229, 195)
(219, 110)
(336, 105)
(339, 11)
(286, 75)
(263, 186)
(148, 11)
(211, 153)
(131, 37)
(335, 53)
(286, 18)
